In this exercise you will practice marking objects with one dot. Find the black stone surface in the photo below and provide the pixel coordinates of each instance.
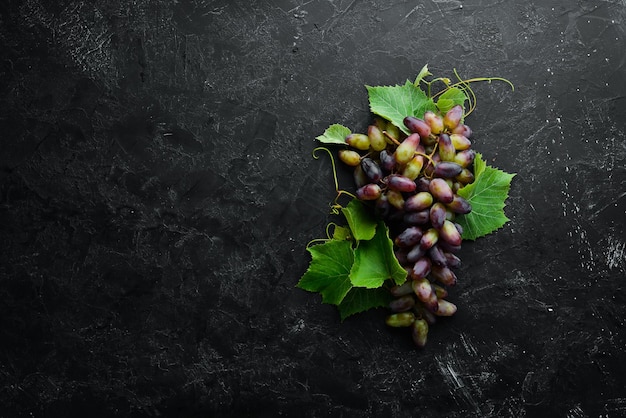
(157, 192)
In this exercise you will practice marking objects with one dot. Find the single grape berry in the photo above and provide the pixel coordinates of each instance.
(453, 117)
(402, 319)
(440, 190)
(434, 121)
(371, 169)
(368, 192)
(400, 183)
(447, 169)
(418, 202)
(406, 150)
(418, 126)
(358, 141)
(419, 332)
(349, 157)
(446, 149)
(378, 142)
(460, 142)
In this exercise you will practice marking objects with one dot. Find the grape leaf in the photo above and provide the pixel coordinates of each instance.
(329, 270)
(341, 233)
(361, 222)
(394, 103)
(450, 98)
(360, 299)
(334, 134)
(422, 74)
(375, 261)
(487, 195)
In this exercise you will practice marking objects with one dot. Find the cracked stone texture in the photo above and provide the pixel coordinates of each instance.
(157, 192)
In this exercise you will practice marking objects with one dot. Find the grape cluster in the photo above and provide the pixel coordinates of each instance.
(412, 181)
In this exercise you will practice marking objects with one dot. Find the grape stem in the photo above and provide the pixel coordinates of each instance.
(335, 207)
(465, 86)
(391, 138)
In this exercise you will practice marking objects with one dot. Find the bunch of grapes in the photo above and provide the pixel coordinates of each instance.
(412, 181)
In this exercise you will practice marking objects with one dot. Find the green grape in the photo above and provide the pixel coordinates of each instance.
(378, 141)
(413, 168)
(434, 121)
(464, 158)
(460, 142)
(425, 293)
(419, 332)
(406, 150)
(393, 131)
(358, 141)
(465, 177)
(446, 148)
(349, 157)
(395, 199)
(401, 319)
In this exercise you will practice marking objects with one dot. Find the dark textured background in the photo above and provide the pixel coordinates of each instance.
(157, 192)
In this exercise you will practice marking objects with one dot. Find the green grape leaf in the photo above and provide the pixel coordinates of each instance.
(334, 134)
(375, 261)
(360, 299)
(341, 233)
(422, 74)
(487, 195)
(394, 103)
(361, 222)
(450, 98)
(329, 271)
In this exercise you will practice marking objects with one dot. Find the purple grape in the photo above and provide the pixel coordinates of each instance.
(371, 169)
(368, 192)
(418, 126)
(400, 183)
(446, 149)
(437, 215)
(418, 202)
(437, 256)
(453, 117)
(402, 304)
(443, 275)
(447, 169)
(415, 254)
(417, 218)
(440, 190)
(429, 238)
(409, 237)
(421, 268)
(387, 161)
(459, 205)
